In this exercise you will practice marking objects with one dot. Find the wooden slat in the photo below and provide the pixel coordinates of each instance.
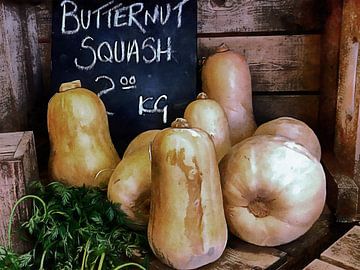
(330, 47)
(8, 144)
(15, 176)
(43, 17)
(302, 107)
(345, 252)
(320, 265)
(277, 63)
(347, 133)
(342, 192)
(222, 16)
(19, 67)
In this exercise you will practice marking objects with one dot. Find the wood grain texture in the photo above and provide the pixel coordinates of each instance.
(302, 107)
(320, 265)
(330, 47)
(342, 191)
(18, 166)
(240, 255)
(347, 133)
(345, 252)
(223, 16)
(277, 63)
(19, 65)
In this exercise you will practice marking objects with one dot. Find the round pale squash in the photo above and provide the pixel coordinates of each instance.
(81, 150)
(226, 79)
(187, 227)
(208, 115)
(130, 185)
(141, 140)
(274, 190)
(293, 129)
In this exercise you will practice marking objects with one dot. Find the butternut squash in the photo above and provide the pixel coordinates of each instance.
(187, 227)
(81, 149)
(226, 79)
(293, 129)
(274, 190)
(141, 140)
(208, 115)
(130, 183)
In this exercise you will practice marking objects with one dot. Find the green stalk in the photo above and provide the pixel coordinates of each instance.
(130, 264)
(85, 254)
(102, 258)
(11, 219)
(42, 260)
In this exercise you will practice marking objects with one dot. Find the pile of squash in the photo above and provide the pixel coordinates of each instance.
(210, 171)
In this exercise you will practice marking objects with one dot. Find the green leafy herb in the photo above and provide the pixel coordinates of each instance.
(76, 228)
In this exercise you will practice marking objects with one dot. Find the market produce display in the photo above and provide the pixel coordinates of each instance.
(187, 227)
(274, 190)
(293, 129)
(81, 150)
(208, 115)
(175, 191)
(226, 79)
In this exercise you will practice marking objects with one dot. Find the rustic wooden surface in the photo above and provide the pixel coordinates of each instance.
(19, 65)
(347, 135)
(342, 191)
(18, 166)
(345, 252)
(320, 265)
(302, 107)
(277, 63)
(242, 256)
(330, 47)
(224, 16)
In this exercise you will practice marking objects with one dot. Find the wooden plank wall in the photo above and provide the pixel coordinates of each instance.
(280, 39)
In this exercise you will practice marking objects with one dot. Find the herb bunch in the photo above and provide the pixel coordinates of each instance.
(76, 228)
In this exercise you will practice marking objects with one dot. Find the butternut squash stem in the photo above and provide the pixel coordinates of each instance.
(222, 48)
(201, 96)
(130, 264)
(11, 219)
(180, 123)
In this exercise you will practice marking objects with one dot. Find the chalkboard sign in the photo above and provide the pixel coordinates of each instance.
(139, 57)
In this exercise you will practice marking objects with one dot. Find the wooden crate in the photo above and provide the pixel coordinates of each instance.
(18, 166)
(343, 254)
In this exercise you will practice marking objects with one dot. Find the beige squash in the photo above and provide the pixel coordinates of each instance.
(293, 129)
(130, 183)
(187, 227)
(130, 186)
(81, 149)
(141, 140)
(208, 115)
(274, 190)
(226, 79)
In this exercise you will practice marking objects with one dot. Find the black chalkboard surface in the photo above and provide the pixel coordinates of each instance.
(139, 57)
